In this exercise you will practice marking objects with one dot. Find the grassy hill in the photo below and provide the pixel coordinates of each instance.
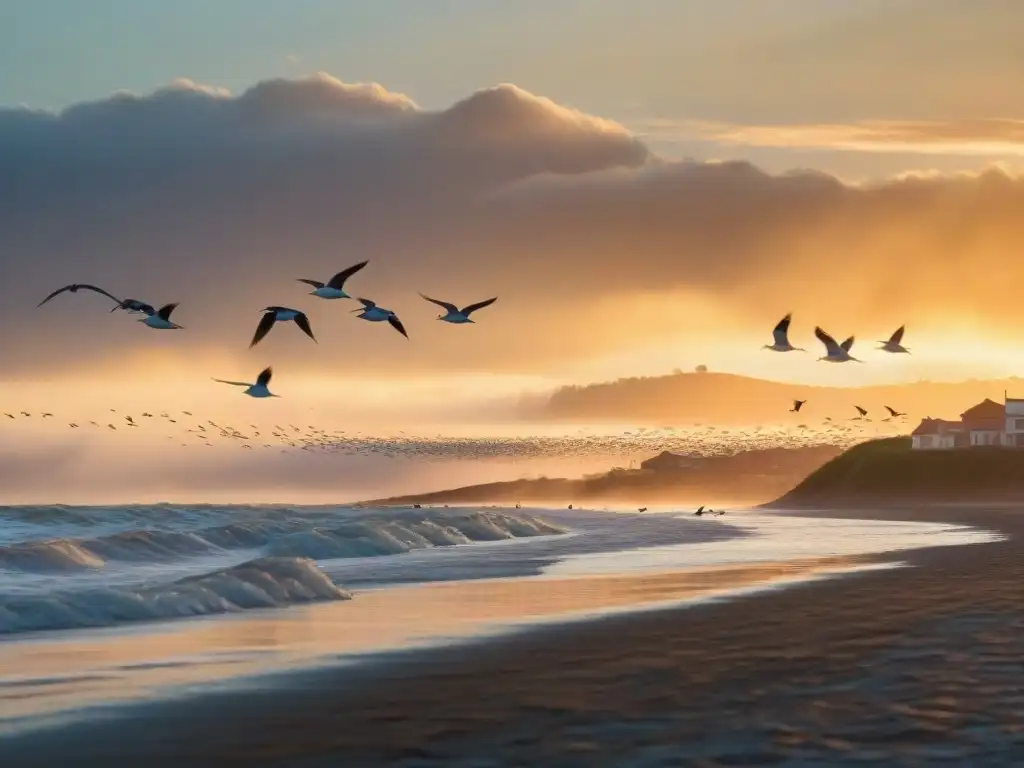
(747, 477)
(723, 398)
(888, 471)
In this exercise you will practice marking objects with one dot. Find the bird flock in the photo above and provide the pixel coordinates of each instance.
(160, 319)
(835, 352)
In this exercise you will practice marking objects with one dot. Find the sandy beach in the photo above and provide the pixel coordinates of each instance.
(909, 666)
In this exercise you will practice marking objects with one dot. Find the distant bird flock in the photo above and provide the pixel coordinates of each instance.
(160, 319)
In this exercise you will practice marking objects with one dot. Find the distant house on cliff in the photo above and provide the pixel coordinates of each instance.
(986, 424)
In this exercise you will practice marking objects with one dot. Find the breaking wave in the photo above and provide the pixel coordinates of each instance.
(164, 561)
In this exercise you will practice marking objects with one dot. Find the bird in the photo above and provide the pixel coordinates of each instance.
(893, 344)
(700, 510)
(861, 411)
(797, 405)
(641, 509)
(894, 413)
(259, 389)
(75, 288)
(781, 337)
(134, 305)
(370, 311)
(161, 319)
(456, 315)
(335, 287)
(272, 315)
(836, 353)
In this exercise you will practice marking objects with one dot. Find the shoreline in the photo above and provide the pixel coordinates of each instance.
(444, 705)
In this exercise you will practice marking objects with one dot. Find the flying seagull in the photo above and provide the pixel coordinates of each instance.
(835, 353)
(75, 288)
(861, 411)
(259, 389)
(134, 305)
(797, 405)
(370, 311)
(456, 315)
(893, 412)
(893, 344)
(272, 315)
(335, 287)
(161, 319)
(781, 337)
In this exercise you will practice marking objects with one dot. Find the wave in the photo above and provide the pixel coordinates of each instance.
(269, 582)
(288, 536)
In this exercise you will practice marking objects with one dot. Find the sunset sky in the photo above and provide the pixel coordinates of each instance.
(646, 185)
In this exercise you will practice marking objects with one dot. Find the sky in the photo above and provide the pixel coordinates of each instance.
(645, 185)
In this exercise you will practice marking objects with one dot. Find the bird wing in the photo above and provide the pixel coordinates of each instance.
(479, 305)
(164, 313)
(847, 345)
(367, 303)
(100, 291)
(266, 323)
(450, 308)
(77, 287)
(264, 378)
(897, 337)
(830, 344)
(303, 322)
(700, 508)
(232, 383)
(860, 410)
(782, 329)
(891, 411)
(338, 281)
(314, 283)
(397, 325)
(55, 293)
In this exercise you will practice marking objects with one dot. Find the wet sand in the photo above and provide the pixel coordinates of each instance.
(912, 666)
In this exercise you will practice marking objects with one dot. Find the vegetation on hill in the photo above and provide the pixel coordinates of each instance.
(722, 398)
(889, 471)
(747, 477)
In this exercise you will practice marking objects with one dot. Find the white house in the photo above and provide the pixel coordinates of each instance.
(986, 424)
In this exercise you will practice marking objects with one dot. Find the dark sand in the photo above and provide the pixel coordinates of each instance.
(913, 666)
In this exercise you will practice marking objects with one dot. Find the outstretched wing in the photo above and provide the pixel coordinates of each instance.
(831, 347)
(860, 410)
(314, 283)
(848, 344)
(266, 323)
(450, 308)
(897, 337)
(397, 325)
(58, 292)
(781, 330)
(367, 303)
(164, 313)
(77, 287)
(232, 383)
(303, 322)
(338, 281)
(479, 305)
(264, 378)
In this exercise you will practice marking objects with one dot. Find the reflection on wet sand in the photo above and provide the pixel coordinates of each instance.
(45, 674)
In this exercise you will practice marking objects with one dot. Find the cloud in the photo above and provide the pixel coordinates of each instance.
(592, 243)
(991, 137)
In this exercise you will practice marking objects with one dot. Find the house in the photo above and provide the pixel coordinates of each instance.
(986, 424)
(936, 434)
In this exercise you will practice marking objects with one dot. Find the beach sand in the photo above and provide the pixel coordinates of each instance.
(910, 666)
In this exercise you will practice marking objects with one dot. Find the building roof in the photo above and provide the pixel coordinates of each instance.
(936, 427)
(986, 409)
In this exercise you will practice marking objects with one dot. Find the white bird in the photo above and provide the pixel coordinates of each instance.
(893, 344)
(835, 353)
(781, 336)
(335, 287)
(456, 315)
(272, 315)
(161, 319)
(259, 389)
(370, 311)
